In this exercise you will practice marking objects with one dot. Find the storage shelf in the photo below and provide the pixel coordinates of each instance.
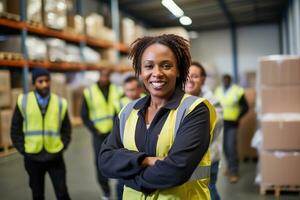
(44, 31)
(63, 66)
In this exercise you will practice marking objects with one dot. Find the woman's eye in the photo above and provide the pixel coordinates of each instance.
(166, 66)
(148, 66)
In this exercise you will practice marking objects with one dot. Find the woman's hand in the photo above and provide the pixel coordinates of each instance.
(150, 161)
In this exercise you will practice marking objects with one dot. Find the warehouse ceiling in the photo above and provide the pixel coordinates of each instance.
(206, 14)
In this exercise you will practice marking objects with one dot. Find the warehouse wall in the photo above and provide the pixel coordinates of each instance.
(290, 28)
(214, 47)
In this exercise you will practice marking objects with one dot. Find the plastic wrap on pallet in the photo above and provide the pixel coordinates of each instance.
(56, 50)
(55, 14)
(94, 23)
(73, 53)
(34, 10)
(37, 48)
(2, 6)
(91, 56)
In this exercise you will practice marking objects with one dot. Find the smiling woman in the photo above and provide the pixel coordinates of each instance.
(159, 144)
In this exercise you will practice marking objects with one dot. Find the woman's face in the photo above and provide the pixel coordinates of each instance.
(159, 70)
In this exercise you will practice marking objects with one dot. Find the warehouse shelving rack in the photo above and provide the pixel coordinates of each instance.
(41, 30)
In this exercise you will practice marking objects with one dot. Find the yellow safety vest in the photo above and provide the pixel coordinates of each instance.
(229, 100)
(124, 101)
(194, 189)
(42, 132)
(101, 112)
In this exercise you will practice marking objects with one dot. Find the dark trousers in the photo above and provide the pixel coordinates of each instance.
(57, 172)
(214, 195)
(102, 180)
(120, 188)
(230, 148)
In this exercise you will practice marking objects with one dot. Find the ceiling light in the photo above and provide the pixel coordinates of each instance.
(172, 7)
(184, 20)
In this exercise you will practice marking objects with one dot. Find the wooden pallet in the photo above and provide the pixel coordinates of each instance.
(11, 56)
(10, 16)
(7, 150)
(277, 189)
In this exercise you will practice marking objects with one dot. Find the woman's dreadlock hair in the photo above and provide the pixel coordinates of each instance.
(178, 45)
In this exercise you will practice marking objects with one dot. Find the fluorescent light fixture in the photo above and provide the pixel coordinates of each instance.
(185, 20)
(172, 7)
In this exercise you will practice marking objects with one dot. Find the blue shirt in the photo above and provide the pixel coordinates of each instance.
(42, 101)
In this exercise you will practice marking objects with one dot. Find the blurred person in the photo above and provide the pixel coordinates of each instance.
(132, 90)
(41, 132)
(97, 112)
(195, 86)
(159, 144)
(235, 106)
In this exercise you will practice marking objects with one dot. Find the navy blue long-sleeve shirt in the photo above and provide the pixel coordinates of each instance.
(190, 145)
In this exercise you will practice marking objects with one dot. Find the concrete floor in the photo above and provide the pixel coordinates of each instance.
(82, 182)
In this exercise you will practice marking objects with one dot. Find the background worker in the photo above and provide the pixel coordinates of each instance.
(158, 149)
(97, 112)
(41, 131)
(235, 106)
(132, 90)
(195, 86)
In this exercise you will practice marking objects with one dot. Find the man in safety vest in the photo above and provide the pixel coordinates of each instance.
(132, 91)
(235, 106)
(99, 107)
(195, 86)
(41, 131)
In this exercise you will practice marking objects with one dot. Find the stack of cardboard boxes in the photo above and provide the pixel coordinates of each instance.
(5, 109)
(280, 120)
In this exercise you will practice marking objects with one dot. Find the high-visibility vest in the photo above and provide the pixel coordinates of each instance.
(197, 186)
(124, 101)
(101, 112)
(229, 100)
(42, 131)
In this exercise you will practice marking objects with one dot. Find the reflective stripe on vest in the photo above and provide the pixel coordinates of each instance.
(42, 131)
(229, 100)
(197, 186)
(101, 111)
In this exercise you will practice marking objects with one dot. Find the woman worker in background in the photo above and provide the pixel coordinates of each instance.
(159, 144)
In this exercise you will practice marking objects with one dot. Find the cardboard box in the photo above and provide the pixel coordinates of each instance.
(5, 99)
(247, 128)
(280, 168)
(14, 96)
(5, 123)
(58, 84)
(280, 70)
(277, 99)
(281, 132)
(246, 131)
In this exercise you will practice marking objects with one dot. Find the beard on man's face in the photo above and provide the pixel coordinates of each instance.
(44, 91)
